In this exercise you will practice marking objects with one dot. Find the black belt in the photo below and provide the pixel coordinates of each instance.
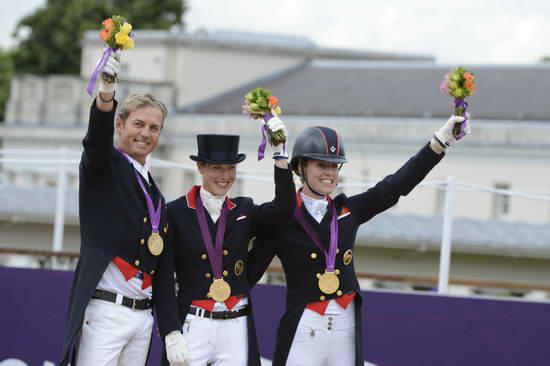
(203, 313)
(126, 301)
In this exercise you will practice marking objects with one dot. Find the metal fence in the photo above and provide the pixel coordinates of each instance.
(65, 161)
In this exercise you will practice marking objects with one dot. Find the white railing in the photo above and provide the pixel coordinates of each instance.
(65, 160)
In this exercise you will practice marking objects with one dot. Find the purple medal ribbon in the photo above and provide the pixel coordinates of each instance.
(214, 253)
(330, 257)
(97, 70)
(153, 214)
(460, 102)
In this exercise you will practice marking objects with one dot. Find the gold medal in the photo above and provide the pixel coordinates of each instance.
(155, 244)
(328, 282)
(220, 290)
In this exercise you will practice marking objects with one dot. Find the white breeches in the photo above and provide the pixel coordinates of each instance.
(324, 340)
(216, 342)
(114, 335)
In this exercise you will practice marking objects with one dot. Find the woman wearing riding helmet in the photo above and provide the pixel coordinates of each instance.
(322, 322)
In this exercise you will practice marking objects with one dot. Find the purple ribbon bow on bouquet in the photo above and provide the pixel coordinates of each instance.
(98, 69)
(459, 132)
(261, 149)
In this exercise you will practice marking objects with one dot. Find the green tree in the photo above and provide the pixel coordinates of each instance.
(545, 59)
(49, 38)
(6, 70)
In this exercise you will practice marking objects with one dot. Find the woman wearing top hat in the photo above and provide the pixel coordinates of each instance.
(322, 322)
(206, 247)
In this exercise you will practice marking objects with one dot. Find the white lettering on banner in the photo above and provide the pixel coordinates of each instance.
(12, 362)
(17, 362)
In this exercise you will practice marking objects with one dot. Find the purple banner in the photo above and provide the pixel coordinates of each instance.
(400, 329)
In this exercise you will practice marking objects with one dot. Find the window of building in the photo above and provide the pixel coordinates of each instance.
(502, 292)
(424, 287)
(501, 202)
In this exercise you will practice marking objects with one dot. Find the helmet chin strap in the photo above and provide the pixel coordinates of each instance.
(314, 191)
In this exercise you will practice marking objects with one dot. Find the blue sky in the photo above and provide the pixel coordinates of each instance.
(467, 31)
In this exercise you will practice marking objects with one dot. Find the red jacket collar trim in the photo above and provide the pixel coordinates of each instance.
(191, 197)
(230, 204)
(299, 200)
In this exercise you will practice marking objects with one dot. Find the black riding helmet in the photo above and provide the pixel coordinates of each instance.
(321, 143)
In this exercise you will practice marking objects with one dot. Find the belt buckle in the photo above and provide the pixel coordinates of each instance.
(212, 315)
(199, 312)
(133, 304)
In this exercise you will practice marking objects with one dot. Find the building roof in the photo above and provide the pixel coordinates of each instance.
(395, 89)
(387, 229)
(36, 204)
(469, 235)
(260, 42)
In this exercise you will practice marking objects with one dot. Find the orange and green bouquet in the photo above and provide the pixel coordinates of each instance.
(459, 83)
(260, 103)
(116, 32)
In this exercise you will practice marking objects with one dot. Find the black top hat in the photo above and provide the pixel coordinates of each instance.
(218, 149)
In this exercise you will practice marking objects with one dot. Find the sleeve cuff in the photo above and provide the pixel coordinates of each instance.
(101, 124)
(282, 173)
(428, 153)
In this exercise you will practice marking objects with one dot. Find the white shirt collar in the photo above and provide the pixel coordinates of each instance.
(142, 169)
(212, 204)
(317, 207)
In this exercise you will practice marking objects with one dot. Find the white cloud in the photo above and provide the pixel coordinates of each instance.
(470, 31)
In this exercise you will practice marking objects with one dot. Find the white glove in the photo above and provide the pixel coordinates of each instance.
(176, 349)
(445, 134)
(275, 124)
(112, 68)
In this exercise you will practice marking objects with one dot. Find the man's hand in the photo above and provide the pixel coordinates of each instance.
(111, 68)
(106, 96)
(176, 349)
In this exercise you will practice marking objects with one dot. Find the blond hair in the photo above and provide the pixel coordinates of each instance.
(135, 101)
